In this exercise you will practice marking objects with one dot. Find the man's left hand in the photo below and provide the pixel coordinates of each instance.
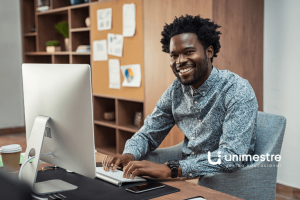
(146, 168)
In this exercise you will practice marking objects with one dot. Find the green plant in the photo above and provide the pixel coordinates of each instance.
(63, 28)
(52, 43)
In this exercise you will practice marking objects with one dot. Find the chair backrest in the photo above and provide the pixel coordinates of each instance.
(269, 133)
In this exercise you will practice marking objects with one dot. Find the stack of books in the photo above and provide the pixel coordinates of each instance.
(83, 49)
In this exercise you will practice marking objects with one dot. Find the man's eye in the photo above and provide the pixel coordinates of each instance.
(173, 56)
(189, 52)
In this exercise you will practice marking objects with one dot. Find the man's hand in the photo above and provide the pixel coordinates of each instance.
(146, 168)
(116, 161)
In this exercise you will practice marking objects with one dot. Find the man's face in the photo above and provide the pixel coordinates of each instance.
(188, 59)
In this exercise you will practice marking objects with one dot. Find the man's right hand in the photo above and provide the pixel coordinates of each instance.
(116, 161)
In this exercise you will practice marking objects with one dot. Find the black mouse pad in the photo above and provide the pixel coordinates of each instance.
(92, 189)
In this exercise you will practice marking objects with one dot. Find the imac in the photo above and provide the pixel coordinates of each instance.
(59, 122)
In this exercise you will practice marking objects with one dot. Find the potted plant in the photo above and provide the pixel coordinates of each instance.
(52, 46)
(63, 28)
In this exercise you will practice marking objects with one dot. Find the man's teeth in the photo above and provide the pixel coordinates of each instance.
(185, 70)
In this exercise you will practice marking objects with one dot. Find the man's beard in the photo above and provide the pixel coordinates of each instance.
(199, 72)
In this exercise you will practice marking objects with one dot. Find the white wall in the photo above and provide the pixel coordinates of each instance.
(282, 80)
(11, 96)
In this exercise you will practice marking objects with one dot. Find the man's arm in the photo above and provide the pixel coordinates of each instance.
(156, 127)
(238, 131)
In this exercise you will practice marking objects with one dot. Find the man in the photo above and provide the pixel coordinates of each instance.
(216, 110)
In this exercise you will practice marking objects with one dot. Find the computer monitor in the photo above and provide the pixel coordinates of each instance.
(63, 93)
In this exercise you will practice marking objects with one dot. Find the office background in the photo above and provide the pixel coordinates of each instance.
(280, 78)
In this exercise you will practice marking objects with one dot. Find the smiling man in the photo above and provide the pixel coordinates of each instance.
(215, 109)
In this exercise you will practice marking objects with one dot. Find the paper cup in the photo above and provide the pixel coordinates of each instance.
(11, 157)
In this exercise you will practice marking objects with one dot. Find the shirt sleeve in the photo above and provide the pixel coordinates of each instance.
(238, 136)
(156, 127)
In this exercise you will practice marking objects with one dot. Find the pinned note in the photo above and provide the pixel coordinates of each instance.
(99, 50)
(114, 73)
(115, 44)
(104, 19)
(132, 75)
(129, 15)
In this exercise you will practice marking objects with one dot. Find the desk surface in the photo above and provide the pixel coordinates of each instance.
(187, 189)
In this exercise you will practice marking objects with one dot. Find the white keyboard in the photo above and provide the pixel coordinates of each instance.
(118, 175)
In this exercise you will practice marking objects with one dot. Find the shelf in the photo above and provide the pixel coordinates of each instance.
(80, 38)
(30, 34)
(102, 105)
(80, 29)
(46, 53)
(111, 124)
(117, 98)
(122, 137)
(106, 150)
(63, 9)
(61, 59)
(129, 128)
(78, 16)
(29, 44)
(126, 113)
(47, 31)
(75, 53)
(105, 138)
(37, 59)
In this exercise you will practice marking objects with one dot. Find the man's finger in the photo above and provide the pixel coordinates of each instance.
(134, 165)
(135, 173)
(117, 163)
(103, 162)
(110, 161)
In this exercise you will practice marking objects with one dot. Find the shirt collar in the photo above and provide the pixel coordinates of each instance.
(206, 86)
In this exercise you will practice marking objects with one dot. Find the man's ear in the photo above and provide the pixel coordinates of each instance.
(209, 52)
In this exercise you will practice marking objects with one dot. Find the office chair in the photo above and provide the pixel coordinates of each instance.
(253, 181)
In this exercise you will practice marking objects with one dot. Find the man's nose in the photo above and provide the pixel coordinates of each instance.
(181, 59)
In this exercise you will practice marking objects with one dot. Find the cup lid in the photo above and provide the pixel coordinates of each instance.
(13, 148)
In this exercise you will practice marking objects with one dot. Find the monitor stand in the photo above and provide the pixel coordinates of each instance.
(30, 170)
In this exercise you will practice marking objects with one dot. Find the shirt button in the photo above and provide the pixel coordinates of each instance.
(203, 92)
(192, 138)
(193, 153)
(191, 174)
(195, 102)
(199, 120)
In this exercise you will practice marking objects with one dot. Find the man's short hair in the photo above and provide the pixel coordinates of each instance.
(205, 30)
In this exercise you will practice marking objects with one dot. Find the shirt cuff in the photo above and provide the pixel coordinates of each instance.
(132, 151)
(188, 168)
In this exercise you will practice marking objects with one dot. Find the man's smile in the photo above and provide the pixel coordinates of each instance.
(186, 70)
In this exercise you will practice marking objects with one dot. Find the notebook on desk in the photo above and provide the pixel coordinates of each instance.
(115, 177)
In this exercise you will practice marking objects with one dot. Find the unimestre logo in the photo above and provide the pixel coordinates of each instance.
(255, 158)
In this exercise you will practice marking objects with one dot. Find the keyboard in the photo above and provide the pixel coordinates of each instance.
(115, 177)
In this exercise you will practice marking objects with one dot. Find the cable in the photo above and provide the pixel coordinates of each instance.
(23, 165)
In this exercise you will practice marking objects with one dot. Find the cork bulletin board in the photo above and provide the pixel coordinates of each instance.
(132, 50)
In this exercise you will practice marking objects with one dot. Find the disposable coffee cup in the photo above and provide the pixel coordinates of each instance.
(11, 157)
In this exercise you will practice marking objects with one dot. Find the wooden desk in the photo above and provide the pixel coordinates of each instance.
(187, 189)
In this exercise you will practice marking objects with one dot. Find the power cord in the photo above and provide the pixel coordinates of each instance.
(23, 165)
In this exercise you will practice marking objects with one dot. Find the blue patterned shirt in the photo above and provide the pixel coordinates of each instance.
(219, 116)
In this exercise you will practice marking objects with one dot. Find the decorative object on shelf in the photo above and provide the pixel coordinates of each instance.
(83, 49)
(110, 116)
(87, 22)
(138, 119)
(86, 1)
(63, 28)
(74, 2)
(43, 5)
(52, 46)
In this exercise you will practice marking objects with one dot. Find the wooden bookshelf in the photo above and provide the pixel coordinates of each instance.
(110, 136)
